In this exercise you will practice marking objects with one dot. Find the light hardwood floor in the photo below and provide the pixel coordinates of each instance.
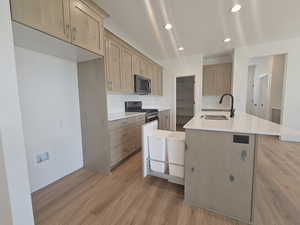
(125, 198)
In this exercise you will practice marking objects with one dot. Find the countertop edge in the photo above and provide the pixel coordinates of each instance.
(120, 116)
(234, 131)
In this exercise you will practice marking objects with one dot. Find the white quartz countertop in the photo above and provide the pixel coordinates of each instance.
(241, 123)
(123, 115)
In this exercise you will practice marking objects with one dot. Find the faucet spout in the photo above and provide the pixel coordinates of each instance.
(232, 103)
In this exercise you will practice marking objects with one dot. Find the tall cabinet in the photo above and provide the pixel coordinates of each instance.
(93, 113)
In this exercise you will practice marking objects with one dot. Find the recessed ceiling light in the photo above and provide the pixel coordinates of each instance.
(168, 26)
(181, 48)
(227, 40)
(236, 8)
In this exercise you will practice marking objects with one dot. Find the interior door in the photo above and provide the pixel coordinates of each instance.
(263, 97)
(87, 27)
(51, 17)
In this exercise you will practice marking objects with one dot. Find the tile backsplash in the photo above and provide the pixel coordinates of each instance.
(212, 102)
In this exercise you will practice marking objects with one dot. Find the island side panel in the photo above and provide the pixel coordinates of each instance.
(219, 173)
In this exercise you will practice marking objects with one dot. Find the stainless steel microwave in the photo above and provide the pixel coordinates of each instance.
(142, 85)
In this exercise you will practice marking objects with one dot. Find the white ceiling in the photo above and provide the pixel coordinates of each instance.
(201, 25)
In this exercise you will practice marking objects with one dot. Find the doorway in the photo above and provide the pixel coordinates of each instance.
(265, 87)
(185, 101)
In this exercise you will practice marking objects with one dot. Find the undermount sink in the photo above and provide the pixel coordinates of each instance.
(215, 117)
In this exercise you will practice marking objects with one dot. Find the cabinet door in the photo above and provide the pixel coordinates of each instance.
(143, 67)
(51, 17)
(152, 77)
(87, 27)
(219, 173)
(126, 70)
(159, 81)
(217, 79)
(223, 79)
(209, 81)
(136, 65)
(113, 61)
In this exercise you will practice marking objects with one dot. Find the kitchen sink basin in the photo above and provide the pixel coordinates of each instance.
(214, 117)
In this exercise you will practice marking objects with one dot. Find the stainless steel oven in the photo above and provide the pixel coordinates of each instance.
(136, 106)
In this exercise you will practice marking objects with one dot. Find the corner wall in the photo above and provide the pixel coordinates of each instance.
(49, 100)
(291, 96)
(15, 198)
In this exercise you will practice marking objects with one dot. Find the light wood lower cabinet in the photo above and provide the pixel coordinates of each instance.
(77, 21)
(164, 120)
(219, 172)
(125, 137)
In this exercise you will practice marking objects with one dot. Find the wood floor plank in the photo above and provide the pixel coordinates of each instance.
(126, 198)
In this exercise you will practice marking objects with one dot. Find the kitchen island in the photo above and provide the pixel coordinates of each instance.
(220, 161)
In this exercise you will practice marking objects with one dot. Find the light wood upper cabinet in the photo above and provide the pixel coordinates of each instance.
(86, 26)
(113, 63)
(77, 21)
(156, 80)
(143, 67)
(217, 79)
(52, 17)
(126, 71)
(209, 81)
(123, 62)
(159, 80)
(135, 64)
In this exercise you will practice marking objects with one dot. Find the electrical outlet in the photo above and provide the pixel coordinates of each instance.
(42, 157)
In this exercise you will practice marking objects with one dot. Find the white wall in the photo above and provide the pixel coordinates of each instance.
(51, 118)
(291, 97)
(179, 67)
(15, 198)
